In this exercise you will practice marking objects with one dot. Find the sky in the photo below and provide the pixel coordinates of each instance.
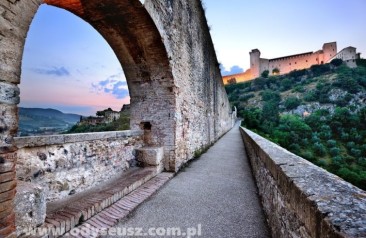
(68, 66)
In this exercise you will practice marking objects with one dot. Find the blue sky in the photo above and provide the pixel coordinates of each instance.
(67, 65)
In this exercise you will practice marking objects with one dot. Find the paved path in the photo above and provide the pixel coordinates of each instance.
(216, 191)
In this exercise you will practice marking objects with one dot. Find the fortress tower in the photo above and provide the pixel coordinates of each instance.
(329, 51)
(255, 62)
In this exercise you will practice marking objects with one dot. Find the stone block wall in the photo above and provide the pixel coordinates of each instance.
(301, 199)
(202, 112)
(66, 164)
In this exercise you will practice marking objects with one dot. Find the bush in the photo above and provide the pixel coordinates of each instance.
(265, 74)
(361, 62)
(336, 62)
(308, 155)
(320, 69)
(347, 83)
(331, 143)
(298, 73)
(311, 96)
(286, 84)
(319, 149)
(334, 151)
(269, 95)
(259, 83)
(246, 97)
(299, 89)
(292, 103)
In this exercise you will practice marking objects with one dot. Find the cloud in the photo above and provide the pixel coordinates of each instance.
(55, 71)
(234, 70)
(115, 85)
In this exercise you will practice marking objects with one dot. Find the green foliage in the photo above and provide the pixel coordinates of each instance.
(336, 62)
(347, 83)
(334, 151)
(121, 124)
(286, 84)
(319, 149)
(299, 89)
(246, 97)
(292, 103)
(361, 62)
(259, 83)
(270, 95)
(320, 69)
(298, 73)
(252, 118)
(333, 139)
(311, 96)
(265, 73)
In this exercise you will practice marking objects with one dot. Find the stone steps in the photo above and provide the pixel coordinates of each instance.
(102, 207)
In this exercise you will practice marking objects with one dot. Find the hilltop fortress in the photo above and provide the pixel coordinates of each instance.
(286, 64)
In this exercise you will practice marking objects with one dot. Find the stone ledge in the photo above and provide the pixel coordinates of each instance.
(35, 141)
(150, 156)
(319, 203)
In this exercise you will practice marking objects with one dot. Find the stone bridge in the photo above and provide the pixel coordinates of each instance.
(179, 108)
(165, 49)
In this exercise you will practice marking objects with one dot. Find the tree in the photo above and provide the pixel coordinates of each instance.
(286, 84)
(292, 103)
(265, 74)
(336, 62)
(270, 95)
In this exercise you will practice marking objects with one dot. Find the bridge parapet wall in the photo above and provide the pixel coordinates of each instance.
(67, 164)
(301, 199)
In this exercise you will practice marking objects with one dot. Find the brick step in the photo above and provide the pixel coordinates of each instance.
(96, 206)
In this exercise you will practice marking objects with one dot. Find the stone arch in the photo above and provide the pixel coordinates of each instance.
(131, 33)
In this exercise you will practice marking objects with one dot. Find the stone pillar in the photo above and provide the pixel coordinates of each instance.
(8, 127)
(15, 19)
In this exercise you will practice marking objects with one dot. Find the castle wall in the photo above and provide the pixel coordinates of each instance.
(288, 64)
(239, 78)
(294, 62)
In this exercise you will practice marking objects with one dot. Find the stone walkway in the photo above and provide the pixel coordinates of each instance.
(215, 195)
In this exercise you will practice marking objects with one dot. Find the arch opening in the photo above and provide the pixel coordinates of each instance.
(68, 66)
(131, 33)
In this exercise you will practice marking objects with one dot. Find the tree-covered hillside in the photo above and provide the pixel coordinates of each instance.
(38, 121)
(318, 114)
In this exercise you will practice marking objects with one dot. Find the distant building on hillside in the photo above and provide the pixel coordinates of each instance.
(111, 116)
(91, 121)
(286, 64)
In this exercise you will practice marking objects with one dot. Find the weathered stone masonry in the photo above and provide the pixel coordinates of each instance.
(67, 164)
(166, 51)
(50, 168)
(301, 199)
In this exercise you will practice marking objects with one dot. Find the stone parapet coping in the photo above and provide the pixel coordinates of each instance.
(35, 141)
(300, 198)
